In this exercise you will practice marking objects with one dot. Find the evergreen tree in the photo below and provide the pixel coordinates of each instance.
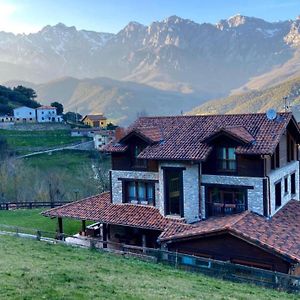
(59, 107)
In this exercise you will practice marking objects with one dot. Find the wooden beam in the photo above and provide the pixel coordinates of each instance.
(60, 229)
(144, 242)
(83, 226)
(104, 232)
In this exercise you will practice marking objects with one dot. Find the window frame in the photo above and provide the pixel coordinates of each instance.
(138, 199)
(286, 185)
(293, 183)
(227, 159)
(135, 162)
(167, 205)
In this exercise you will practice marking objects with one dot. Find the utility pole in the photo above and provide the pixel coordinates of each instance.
(286, 105)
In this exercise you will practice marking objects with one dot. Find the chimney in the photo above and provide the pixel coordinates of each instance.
(119, 133)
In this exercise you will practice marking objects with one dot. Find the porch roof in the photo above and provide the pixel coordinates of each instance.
(99, 208)
(280, 234)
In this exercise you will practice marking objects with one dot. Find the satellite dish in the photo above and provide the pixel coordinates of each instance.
(271, 114)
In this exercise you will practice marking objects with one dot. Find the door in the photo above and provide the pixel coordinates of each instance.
(173, 192)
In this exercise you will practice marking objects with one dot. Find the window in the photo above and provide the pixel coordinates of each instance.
(290, 148)
(42, 112)
(173, 192)
(286, 187)
(226, 159)
(275, 163)
(225, 201)
(278, 194)
(138, 163)
(139, 192)
(30, 113)
(293, 183)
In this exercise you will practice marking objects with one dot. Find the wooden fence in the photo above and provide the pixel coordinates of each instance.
(215, 268)
(30, 205)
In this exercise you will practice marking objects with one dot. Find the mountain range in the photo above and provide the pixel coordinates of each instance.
(171, 59)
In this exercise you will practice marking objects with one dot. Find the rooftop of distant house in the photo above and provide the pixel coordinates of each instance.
(46, 107)
(95, 117)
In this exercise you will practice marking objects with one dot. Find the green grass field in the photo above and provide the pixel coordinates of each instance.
(36, 270)
(66, 160)
(70, 173)
(32, 219)
(39, 139)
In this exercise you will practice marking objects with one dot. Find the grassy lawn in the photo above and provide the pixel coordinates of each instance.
(39, 139)
(67, 160)
(36, 270)
(32, 219)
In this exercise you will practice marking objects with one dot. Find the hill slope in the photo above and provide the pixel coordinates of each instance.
(120, 101)
(31, 270)
(255, 101)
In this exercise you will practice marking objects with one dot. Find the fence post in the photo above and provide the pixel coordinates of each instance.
(38, 235)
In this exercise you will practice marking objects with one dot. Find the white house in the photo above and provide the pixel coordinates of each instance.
(24, 114)
(102, 138)
(47, 114)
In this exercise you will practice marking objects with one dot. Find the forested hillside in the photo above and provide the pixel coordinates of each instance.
(14, 97)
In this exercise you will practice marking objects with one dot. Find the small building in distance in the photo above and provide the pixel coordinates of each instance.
(97, 120)
(100, 136)
(6, 119)
(47, 114)
(103, 137)
(24, 114)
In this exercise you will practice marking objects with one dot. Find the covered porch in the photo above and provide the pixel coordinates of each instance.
(114, 225)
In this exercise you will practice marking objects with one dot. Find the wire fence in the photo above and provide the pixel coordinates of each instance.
(215, 268)
(30, 205)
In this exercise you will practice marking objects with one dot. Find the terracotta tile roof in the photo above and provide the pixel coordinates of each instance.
(239, 132)
(280, 233)
(152, 133)
(114, 147)
(46, 107)
(96, 117)
(99, 208)
(183, 137)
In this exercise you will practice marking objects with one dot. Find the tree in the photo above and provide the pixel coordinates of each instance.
(111, 126)
(72, 117)
(59, 107)
(27, 92)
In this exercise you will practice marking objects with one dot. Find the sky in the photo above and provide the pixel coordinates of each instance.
(25, 16)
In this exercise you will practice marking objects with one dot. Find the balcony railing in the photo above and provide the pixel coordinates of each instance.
(222, 209)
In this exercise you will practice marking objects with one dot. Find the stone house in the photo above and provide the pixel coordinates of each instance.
(218, 186)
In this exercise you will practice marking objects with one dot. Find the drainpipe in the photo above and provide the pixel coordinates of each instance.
(264, 157)
(199, 189)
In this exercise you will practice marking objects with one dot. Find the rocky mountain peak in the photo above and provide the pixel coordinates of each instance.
(293, 37)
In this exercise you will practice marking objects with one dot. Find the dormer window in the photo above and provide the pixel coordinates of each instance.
(226, 159)
(138, 163)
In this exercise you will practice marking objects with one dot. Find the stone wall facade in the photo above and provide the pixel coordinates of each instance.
(116, 183)
(278, 175)
(254, 195)
(194, 208)
(190, 190)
